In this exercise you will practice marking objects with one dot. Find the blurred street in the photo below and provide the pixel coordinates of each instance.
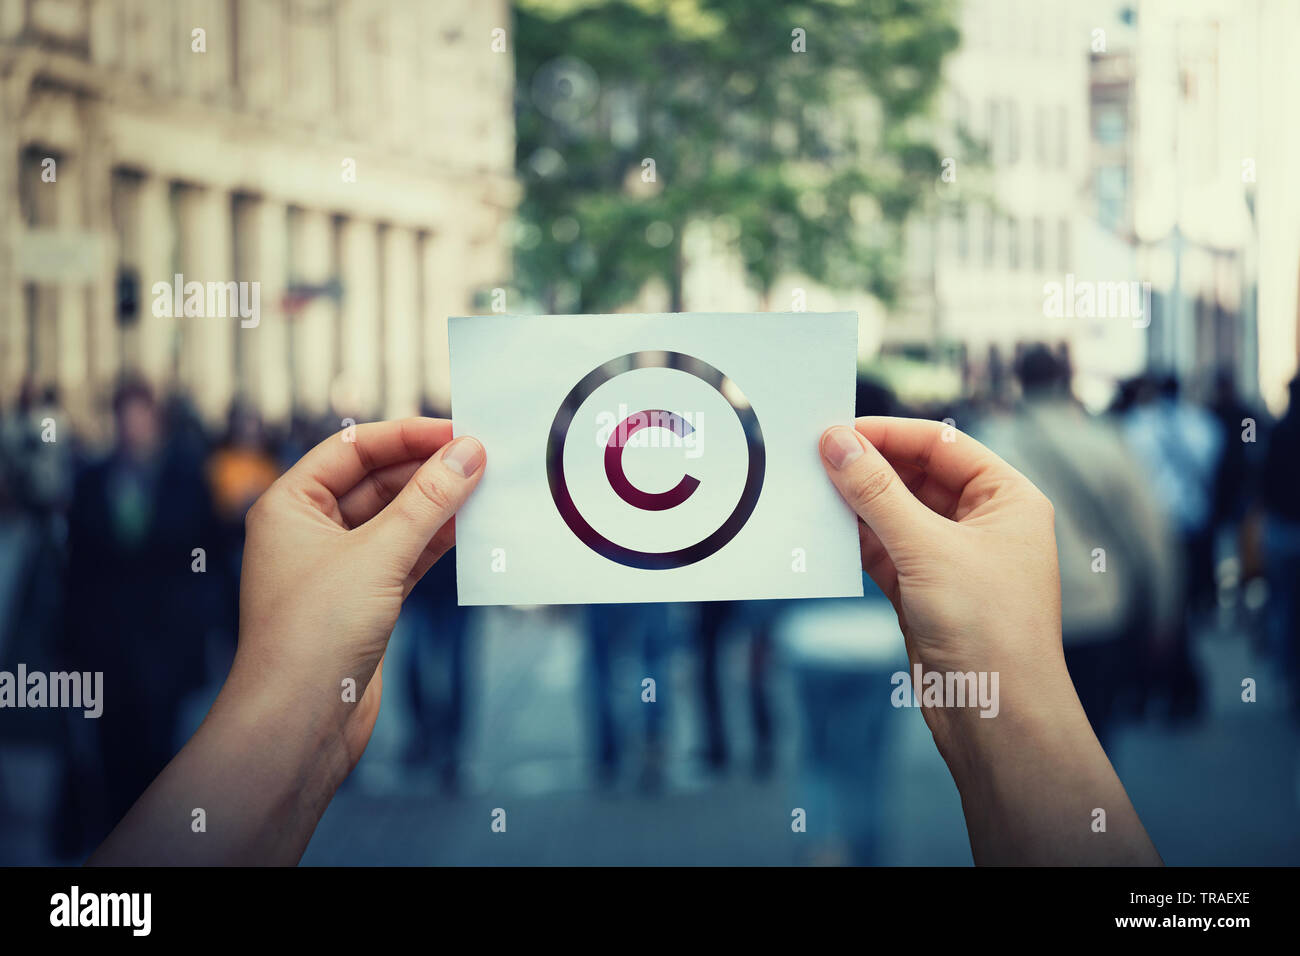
(1224, 792)
(527, 741)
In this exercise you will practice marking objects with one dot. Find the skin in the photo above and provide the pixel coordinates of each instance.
(961, 543)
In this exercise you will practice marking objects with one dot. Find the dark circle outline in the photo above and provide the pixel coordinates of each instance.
(653, 560)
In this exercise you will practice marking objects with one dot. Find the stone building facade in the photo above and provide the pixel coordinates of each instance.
(354, 159)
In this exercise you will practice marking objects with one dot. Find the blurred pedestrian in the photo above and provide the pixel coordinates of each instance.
(1178, 446)
(1120, 581)
(436, 673)
(37, 459)
(842, 654)
(138, 596)
(754, 621)
(1281, 506)
(239, 470)
(614, 633)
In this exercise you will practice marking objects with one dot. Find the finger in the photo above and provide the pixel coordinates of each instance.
(952, 458)
(873, 489)
(403, 530)
(927, 489)
(344, 459)
(373, 492)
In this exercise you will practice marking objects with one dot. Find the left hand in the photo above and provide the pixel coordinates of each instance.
(333, 547)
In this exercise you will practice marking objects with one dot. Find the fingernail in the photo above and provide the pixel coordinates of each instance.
(464, 456)
(841, 446)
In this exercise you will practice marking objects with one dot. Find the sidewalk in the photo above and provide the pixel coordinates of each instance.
(1224, 792)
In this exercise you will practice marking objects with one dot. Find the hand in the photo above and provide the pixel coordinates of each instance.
(332, 549)
(964, 547)
(960, 542)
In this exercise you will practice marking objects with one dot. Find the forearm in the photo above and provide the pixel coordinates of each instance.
(261, 774)
(1031, 781)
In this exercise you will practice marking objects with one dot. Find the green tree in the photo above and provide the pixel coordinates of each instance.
(800, 130)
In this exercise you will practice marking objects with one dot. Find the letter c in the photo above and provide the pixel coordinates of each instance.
(647, 501)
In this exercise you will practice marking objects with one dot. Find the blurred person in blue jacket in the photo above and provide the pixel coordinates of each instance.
(842, 653)
(437, 667)
(615, 631)
(1179, 446)
(755, 622)
(436, 674)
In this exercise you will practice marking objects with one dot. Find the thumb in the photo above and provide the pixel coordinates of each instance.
(873, 489)
(428, 501)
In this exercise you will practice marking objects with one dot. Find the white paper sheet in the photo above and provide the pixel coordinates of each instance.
(637, 458)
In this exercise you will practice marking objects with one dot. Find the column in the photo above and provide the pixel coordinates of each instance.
(13, 324)
(262, 234)
(39, 289)
(312, 329)
(208, 341)
(362, 326)
(445, 294)
(70, 358)
(102, 329)
(401, 319)
(150, 344)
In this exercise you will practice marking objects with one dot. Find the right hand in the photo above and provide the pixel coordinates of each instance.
(964, 547)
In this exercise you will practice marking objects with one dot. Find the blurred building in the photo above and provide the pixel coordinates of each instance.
(1216, 212)
(354, 159)
(1009, 219)
(1135, 141)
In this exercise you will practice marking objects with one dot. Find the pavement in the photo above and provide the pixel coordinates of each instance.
(1224, 791)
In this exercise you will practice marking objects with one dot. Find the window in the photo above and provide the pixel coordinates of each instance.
(993, 131)
(1110, 125)
(1062, 137)
(1040, 136)
(1112, 190)
(1013, 132)
(990, 237)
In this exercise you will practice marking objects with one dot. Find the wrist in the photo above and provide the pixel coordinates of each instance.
(1031, 778)
(1036, 712)
(291, 735)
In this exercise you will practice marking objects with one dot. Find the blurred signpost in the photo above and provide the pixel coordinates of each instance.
(298, 295)
(58, 256)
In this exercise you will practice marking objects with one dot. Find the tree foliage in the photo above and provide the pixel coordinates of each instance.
(803, 162)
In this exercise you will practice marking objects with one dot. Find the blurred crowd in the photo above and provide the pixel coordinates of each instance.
(1173, 512)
